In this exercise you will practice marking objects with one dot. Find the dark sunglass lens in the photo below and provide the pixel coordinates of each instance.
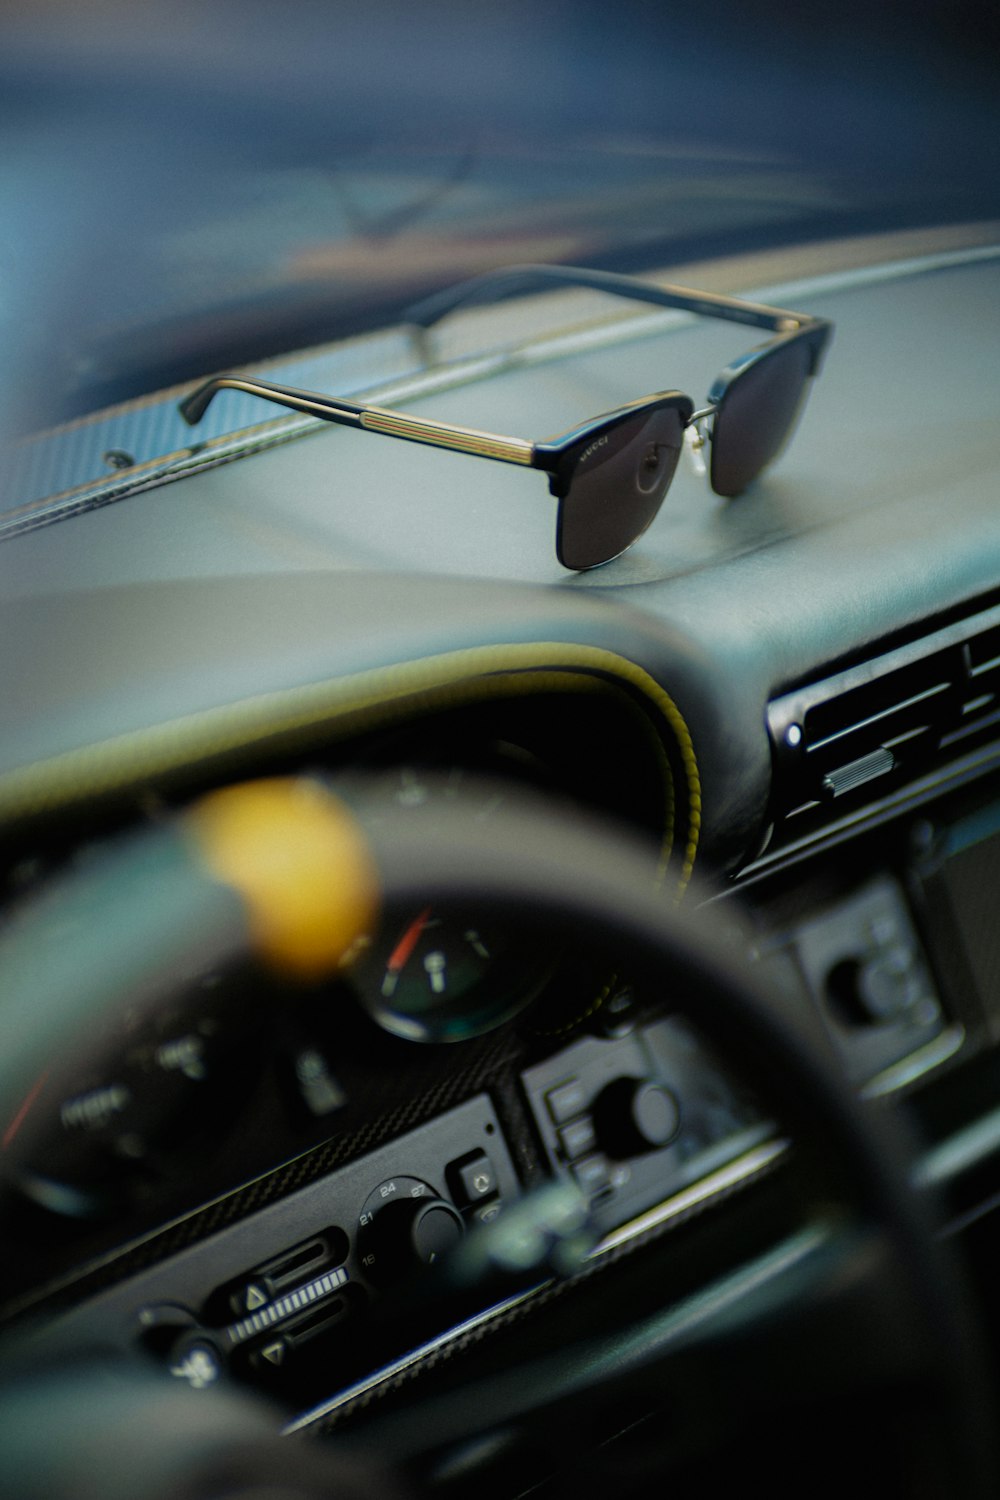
(617, 486)
(756, 416)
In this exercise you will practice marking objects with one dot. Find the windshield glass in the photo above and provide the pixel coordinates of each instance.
(189, 190)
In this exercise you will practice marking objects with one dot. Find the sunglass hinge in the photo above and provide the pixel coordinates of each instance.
(695, 437)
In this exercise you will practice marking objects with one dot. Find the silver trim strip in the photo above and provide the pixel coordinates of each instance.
(388, 1372)
(894, 270)
(723, 1180)
(957, 1153)
(732, 1175)
(910, 1068)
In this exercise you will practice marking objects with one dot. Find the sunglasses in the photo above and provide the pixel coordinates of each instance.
(610, 474)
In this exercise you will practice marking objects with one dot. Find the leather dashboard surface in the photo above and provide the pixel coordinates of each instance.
(341, 552)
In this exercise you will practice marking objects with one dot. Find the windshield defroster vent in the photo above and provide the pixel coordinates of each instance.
(871, 730)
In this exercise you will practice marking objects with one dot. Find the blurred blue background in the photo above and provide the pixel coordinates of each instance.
(186, 186)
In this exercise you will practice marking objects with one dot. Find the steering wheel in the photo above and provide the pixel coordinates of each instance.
(863, 1311)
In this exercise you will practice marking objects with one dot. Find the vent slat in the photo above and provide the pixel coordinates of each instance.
(867, 732)
(966, 731)
(864, 707)
(984, 650)
(976, 705)
(906, 738)
(892, 711)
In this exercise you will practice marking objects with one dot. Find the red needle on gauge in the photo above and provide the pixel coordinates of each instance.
(407, 943)
(24, 1110)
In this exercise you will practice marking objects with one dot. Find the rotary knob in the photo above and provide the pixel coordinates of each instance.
(403, 1226)
(876, 989)
(633, 1116)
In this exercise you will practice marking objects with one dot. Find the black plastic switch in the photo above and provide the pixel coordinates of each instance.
(591, 1175)
(567, 1100)
(472, 1179)
(577, 1138)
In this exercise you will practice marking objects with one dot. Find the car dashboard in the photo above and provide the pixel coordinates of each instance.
(790, 702)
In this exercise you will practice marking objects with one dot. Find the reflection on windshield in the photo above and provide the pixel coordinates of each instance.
(191, 188)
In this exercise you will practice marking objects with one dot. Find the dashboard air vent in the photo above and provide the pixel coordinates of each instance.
(870, 731)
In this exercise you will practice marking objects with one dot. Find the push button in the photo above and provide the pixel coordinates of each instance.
(270, 1356)
(577, 1138)
(567, 1100)
(591, 1175)
(251, 1297)
(472, 1178)
(198, 1362)
(484, 1213)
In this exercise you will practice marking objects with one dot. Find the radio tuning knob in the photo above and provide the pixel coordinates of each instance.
(633, 1116)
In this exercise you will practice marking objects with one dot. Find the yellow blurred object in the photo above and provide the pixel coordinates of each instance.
(301, 862)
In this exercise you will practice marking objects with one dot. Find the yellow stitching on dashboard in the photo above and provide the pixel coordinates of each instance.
(584, 1015)
(113, 763)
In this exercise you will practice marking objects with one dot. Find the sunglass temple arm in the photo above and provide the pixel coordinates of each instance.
(398, 424)
(495, 285)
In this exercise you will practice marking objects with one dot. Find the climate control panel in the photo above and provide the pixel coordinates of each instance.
(289, 1291)
(310, 1293)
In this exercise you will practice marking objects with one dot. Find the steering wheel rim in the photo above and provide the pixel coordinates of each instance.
(530, 867)
(560, 879)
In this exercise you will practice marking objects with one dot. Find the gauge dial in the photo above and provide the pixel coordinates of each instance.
(84, 1137)
(435, 977)
(441, 976)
